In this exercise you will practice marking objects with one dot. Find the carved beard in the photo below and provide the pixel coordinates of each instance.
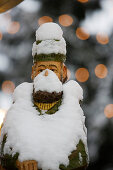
(46, 97)
(42, 85)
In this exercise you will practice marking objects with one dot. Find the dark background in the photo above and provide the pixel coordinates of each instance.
(16, 63)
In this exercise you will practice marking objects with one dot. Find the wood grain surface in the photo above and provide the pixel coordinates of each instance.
(8, 4)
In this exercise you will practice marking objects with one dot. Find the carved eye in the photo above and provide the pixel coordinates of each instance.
(54, 70)
(40, 70)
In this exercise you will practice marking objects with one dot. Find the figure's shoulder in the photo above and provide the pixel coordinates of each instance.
(74, 89)
(23, 90)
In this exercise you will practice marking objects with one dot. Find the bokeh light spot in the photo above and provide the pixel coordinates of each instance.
(8, 86)
(102, 38)
(108, 111)
(65, 20)
(101, 71)
(82, 74)
(1, 36)
(44, 19)
(13, 28)
(82, 34)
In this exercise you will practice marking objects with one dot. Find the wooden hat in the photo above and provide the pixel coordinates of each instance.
(5, 5)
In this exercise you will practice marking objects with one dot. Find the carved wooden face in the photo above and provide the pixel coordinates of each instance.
(57, 67)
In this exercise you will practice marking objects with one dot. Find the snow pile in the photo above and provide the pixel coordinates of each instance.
(48, 139)
(48, 83)
(19, 94)
(49, 31)
(50, 35)
(49, 46)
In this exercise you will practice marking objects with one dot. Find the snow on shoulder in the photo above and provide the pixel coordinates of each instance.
(22, 91)
(49, 31)
(48, 83)
(48, 139)
(74, 89)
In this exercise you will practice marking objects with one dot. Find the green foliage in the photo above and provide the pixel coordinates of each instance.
(7, 161)
(38, 42)
(50, 57)
(54, 108)
(74, 161)
(3, 143)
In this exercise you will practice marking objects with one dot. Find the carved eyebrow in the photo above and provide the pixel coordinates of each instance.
(53, 65)
(41, 66)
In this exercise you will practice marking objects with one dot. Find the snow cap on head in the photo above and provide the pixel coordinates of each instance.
(49, 31)
(50, 44)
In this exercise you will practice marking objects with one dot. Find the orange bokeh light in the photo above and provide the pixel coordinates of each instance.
(68, 74)
(65, 20)
(1, 36)
(108, 111)
(13, 28)
(83, 1)
(102, 38)
(44, 19)
(8, 86)
(82, 34)
(82, 74)
(101, 71)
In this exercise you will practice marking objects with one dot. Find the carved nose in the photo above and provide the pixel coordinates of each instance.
(46, 73)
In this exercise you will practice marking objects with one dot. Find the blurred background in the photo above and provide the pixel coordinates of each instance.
(88, 31)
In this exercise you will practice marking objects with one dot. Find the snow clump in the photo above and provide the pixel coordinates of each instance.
(48, 139)
(49, 31)
(48, 83)
(49, 40)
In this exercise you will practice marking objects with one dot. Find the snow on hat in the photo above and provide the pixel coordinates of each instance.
(50, 44)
